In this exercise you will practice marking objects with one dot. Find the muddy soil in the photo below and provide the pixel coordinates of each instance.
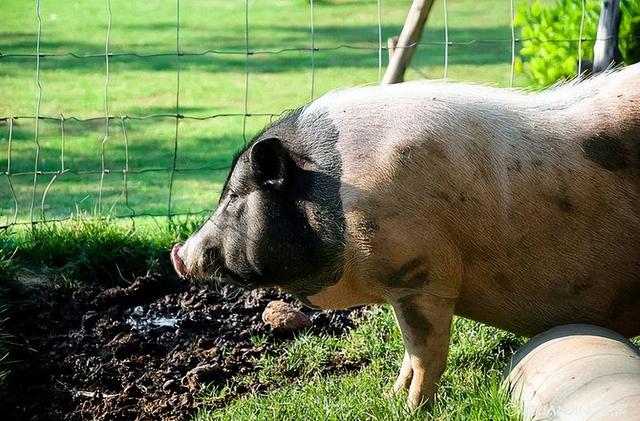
(141, 352)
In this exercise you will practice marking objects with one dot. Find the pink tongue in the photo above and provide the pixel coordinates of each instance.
(178, 264)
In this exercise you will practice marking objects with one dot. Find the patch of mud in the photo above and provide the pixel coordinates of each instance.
(141, 352)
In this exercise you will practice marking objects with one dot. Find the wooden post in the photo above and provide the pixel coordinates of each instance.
(605, 50)
(391, 46)
(406, 45)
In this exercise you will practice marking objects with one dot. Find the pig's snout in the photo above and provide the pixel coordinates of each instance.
(178, 263)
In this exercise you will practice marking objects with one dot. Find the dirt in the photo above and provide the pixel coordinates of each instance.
(142, 352)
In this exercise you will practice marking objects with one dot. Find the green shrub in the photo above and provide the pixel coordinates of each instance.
(550, 34)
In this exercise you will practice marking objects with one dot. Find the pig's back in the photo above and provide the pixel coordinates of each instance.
(539, 192)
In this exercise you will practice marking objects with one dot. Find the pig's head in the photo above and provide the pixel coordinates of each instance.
(279, 220)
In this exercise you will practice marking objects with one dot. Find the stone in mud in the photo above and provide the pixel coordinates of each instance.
(132, 391)
(285, 317)
(169, 384)
(201, 375)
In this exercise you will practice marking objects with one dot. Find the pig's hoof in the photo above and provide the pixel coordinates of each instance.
(396, 391)
(402, 384)
(414, 403)
(404, 377)
(417, 399)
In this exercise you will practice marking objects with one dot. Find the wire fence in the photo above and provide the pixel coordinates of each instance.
(29, 203)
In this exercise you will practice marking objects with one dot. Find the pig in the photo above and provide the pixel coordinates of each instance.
(516, 209)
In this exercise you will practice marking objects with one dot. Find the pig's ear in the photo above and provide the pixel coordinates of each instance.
(269, 162)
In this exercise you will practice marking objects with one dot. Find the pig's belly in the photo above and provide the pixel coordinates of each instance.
(529, 307)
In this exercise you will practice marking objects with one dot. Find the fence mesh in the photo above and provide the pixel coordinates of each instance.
(143, 168)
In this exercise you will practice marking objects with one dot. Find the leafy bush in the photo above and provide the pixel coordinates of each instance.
(550, 34)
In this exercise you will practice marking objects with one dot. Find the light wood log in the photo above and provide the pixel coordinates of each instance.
(577, 372)
(406, 46)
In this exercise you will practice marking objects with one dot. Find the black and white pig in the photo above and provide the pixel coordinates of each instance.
(519, 210)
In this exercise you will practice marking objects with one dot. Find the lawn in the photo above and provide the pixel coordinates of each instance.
(280, 77)
(214, 88)
(470, 388)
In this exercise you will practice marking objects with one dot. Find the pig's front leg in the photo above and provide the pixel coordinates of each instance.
(425, 323)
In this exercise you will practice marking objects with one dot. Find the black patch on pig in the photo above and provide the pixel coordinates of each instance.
(503, 282)
(417, 280)
(444, 196)
(581, 284)
(516, 166)
(412, 274)
(607, 151)
(316, 139)
(565, 204)
(418, 323)
(301, 242)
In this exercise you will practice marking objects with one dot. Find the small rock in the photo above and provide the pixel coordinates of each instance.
(201, 375)
(204, 343)
(169, 384)
(90, 319)
(211, 352)
(285, 317)
(187, 301)
(132, 391)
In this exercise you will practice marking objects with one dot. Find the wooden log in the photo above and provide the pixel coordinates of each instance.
(406, 46)
(577, 372)
(605, 49)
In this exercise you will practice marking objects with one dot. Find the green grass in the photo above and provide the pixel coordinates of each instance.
(209, 84)
(90, 250)
(301, 387)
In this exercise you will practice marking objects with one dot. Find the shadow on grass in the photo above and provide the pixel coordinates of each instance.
(145, 149)
(202, 165)
(145, 193)
(327, 38)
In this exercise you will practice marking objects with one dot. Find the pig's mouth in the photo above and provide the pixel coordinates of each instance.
(221, 274)
(229, 277)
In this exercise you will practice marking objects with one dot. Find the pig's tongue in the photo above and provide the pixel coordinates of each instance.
(178, 264)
